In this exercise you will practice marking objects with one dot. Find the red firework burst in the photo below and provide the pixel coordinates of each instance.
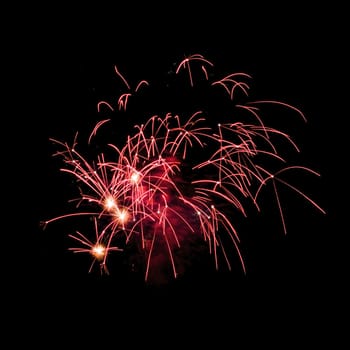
(140, 193)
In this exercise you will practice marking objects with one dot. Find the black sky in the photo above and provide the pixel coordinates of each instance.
(67, 71)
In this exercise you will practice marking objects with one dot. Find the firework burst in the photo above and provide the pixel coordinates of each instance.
(178, 176)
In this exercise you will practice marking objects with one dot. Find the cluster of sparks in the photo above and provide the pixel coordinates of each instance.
(140, 194)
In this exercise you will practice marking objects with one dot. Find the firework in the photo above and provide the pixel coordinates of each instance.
(178, 177)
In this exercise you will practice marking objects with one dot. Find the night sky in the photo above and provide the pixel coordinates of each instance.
(69, 73)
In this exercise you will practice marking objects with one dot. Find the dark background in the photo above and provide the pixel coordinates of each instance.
(294, 55)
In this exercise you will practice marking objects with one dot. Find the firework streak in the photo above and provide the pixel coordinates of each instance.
(178, 178)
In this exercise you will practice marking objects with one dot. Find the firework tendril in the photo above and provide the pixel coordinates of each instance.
(141, 192)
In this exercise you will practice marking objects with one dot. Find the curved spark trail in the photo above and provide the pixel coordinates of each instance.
(140, 193)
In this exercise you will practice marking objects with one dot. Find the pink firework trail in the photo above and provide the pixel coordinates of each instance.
(140, 194)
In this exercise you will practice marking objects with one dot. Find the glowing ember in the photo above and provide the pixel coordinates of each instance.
(98, 251)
